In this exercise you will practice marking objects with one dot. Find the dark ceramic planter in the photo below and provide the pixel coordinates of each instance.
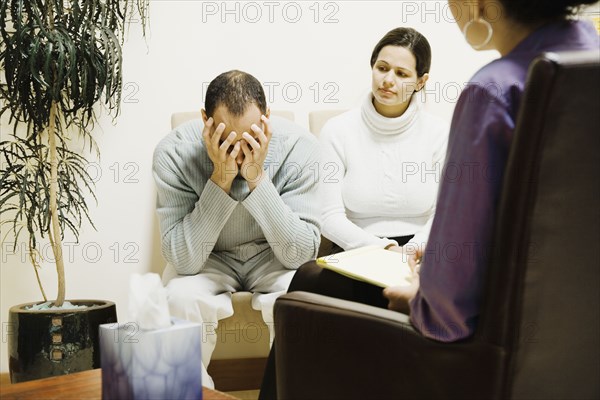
(56, 342)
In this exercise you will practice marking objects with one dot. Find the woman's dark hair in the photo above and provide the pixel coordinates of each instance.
(235, 90)
(532, 11)
(409, 39)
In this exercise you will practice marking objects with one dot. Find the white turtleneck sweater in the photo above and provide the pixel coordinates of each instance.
(380, 175)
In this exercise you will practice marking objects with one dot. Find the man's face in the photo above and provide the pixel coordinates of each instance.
(237, 124)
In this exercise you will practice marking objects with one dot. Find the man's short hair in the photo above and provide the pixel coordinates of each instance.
(235, 90)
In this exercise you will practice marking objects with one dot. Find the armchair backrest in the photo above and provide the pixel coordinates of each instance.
(181, 117)
(542, 303)
(317, 119)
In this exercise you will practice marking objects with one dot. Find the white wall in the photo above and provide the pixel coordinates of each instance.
(187, 47)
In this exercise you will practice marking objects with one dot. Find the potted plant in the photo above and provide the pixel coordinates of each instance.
(61, 60)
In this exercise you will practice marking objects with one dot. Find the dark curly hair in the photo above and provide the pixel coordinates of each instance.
(235, 90)
(532, 11)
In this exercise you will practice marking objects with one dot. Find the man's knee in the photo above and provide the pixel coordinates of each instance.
(181, 296)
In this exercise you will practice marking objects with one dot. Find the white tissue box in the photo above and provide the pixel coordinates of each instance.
(154, 364)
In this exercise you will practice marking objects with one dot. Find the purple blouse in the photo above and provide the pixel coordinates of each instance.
(451, 278)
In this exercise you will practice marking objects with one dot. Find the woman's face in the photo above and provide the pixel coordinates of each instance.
(395, 80)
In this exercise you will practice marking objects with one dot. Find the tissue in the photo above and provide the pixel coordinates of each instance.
(153, 356)
(148, 305)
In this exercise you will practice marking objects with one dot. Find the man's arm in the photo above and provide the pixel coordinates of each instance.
(189, 224)
(290, 219)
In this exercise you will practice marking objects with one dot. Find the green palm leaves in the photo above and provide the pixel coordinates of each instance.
(61, 60)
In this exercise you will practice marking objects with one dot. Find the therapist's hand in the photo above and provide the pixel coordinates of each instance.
(410, 253)
(399, 297)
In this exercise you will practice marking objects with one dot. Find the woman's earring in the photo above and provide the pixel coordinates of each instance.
(477, 19)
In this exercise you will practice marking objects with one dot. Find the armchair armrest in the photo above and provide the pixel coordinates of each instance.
(328, 348)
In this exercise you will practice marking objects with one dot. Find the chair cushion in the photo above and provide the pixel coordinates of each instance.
(244, 334)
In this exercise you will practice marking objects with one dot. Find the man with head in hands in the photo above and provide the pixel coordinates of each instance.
(237, 205)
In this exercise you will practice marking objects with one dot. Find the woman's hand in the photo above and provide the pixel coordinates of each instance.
(412, 254)
(400, 296)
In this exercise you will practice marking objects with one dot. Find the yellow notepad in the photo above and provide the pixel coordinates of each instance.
(370, 264)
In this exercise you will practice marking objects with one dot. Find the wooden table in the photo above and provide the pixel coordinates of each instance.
(82, 386)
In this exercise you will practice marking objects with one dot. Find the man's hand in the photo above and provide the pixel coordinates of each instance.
(255, 153)
(224, 161)
(400, 296)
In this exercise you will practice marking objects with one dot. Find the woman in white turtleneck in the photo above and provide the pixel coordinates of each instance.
(383, 161)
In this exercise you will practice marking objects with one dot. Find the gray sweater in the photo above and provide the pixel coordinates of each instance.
(198, 218)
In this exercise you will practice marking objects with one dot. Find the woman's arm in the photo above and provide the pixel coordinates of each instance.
(446, 306)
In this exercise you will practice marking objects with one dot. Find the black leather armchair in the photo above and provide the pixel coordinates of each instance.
(539, 330)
